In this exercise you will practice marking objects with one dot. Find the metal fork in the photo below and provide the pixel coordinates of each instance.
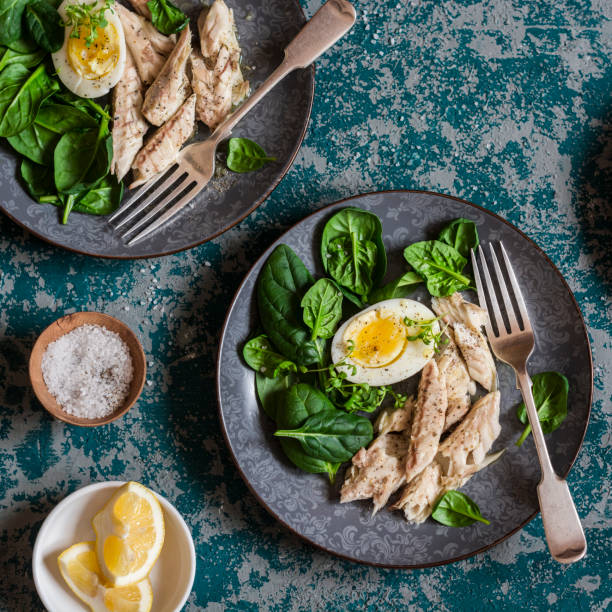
(562, 527)
(196, 162)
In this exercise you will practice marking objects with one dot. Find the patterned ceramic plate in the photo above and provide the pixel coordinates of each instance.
(278, 124)
(505, 491)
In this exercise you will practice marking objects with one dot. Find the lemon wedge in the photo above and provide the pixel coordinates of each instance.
(129, 534)
(79, 567)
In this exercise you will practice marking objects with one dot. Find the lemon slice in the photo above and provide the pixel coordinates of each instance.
(129, 534)
(79, 567)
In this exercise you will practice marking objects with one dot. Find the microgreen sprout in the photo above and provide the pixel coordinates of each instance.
(90, 16)
(426, 332)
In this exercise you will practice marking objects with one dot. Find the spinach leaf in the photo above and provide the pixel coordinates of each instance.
(550, 390)
(352, 250)
(296, 405)
(21, 94)
(102, 199)
(244, 155)
(462, 235)
(399, 288)
(22, 45)
(440, 265)
(331, 435)
(87, 105)
(166, 17)
(455, 509)
(271, 391)
(28, 60)
(281, 285)
(11, 12)
(351, 297)
(82, 158)
(259, 355)
(36, 143)
(322, 305)
(38, 179)
(45, 25)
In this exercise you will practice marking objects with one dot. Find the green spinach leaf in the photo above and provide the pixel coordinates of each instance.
(36, 143)
(331, 435)
(38, 179)
(22, 45)
(271, 391)
(21, 94)
(60, 118)
(440, 265)
(351, 297)
(399, 288)
(261, 356)
(298, 403)
(45, 25)
(281, 285)
(455, 509)
(166, 17)
(322, 305)
(102, 199)
(28, 60)
(82, 158)
(244, 155)
(462, 235)
(550, 390)
(352, 250)
(11, 12)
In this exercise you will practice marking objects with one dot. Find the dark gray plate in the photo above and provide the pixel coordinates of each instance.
(505, 491)
(278, 124)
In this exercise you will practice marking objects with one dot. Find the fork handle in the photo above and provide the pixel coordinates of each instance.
(330, 23)
(562, 527)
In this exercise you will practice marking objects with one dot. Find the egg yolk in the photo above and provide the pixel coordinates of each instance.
(100, 58)
(376, 337)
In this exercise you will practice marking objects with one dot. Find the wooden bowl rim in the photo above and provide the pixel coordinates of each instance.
(66, 324)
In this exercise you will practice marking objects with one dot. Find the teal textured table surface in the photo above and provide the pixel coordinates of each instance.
(502, 102)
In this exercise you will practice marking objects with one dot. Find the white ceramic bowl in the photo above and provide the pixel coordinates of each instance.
(70, 522)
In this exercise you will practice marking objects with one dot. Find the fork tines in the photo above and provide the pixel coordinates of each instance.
(516, 319)
(159, 193)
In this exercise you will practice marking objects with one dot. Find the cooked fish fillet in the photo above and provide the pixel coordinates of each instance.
(171, 86)
(427, 421)
(141, 7)
(149, 47)
(129, 126)
(459, 385)
(377, 471)
(162, 148)
(466, 319)
(216, 76)
(460, 456)
(395, 419)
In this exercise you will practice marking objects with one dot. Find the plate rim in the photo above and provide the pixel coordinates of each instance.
(167, 505)
(218, 380)
(256, 204)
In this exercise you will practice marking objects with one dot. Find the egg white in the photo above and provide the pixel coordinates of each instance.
(412, 358)
(77, 83)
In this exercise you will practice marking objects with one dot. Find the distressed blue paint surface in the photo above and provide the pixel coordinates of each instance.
(505, 103)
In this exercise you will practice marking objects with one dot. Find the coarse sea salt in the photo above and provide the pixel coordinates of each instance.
(88, 371)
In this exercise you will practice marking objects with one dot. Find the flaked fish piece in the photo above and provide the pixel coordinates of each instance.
(460, 456)
(216, 75)
(459, 385)
(162, 148)
(141, 7)
(427, 421)
(466, 320)
(129, 126)
(376, 472)
(395, 419)
(171, 86)
(149, 47)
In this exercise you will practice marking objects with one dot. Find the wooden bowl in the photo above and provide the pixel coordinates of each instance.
(63, 326)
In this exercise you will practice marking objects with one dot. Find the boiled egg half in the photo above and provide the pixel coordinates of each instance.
(374, 344)
(90, 68)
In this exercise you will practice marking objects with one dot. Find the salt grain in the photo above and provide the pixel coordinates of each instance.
(88, 371)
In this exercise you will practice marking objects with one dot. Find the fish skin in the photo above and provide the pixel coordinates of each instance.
(171, 87)
(129, 126)
(427, 421)
(149, 47)
(162, 148)
(216, 75)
